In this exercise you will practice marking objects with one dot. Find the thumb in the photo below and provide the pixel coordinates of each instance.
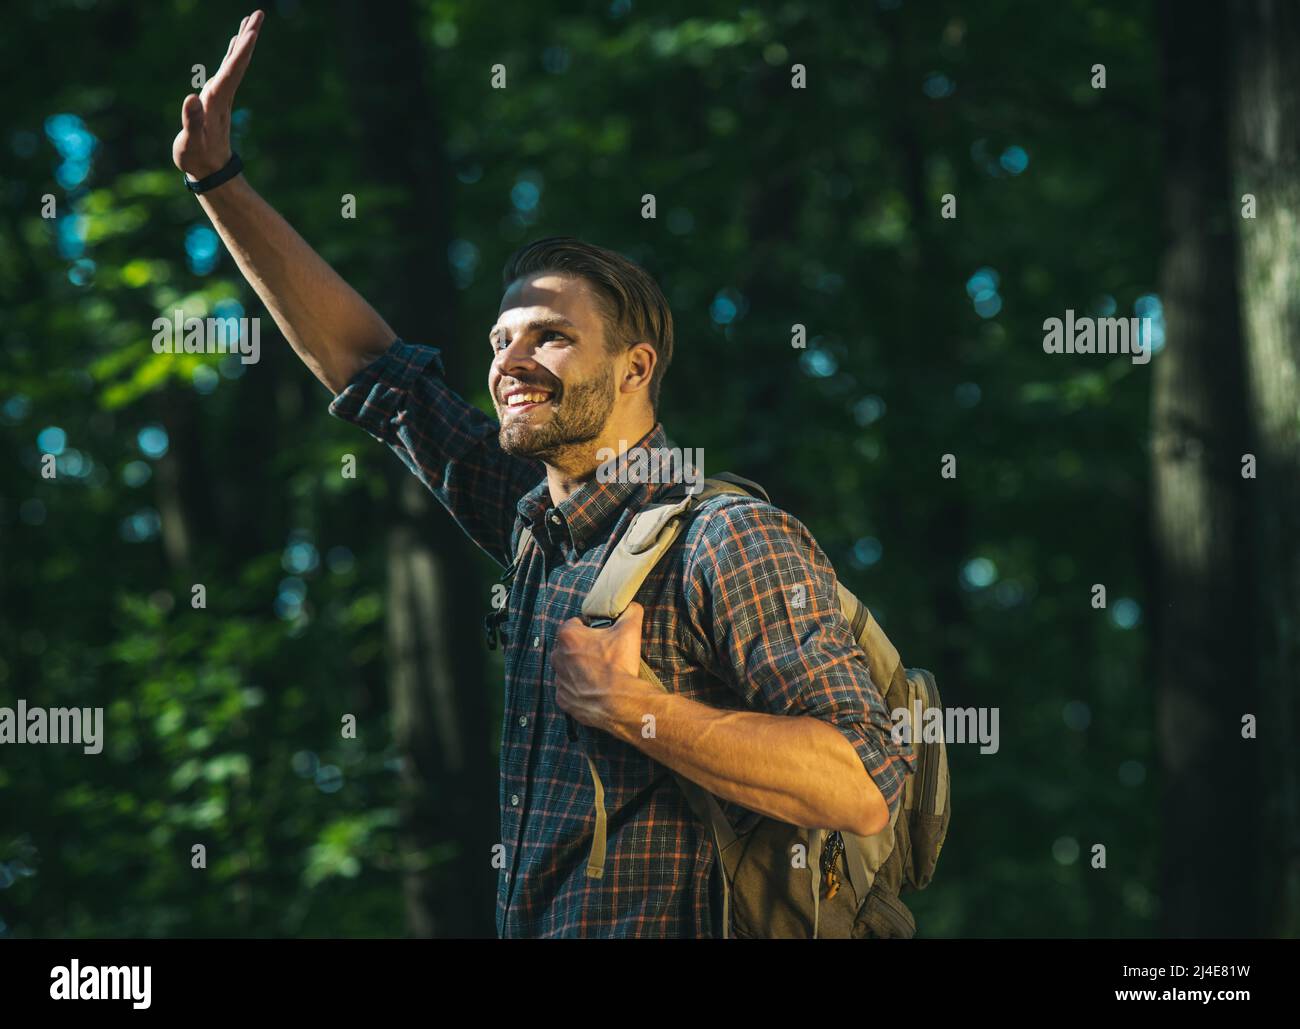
(631, 618)
(192, 113)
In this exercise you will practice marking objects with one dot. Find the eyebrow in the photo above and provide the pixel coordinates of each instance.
(558, 322)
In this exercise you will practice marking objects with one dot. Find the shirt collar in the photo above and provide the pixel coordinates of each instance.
(593, 506)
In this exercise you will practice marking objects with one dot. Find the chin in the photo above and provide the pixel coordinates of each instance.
(521, 444)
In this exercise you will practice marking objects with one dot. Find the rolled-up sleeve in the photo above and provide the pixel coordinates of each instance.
(449, 444)
(762, 592)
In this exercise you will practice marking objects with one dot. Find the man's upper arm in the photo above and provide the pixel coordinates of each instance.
(763, 594)
(452, 447)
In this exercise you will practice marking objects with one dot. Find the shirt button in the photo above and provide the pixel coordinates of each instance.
(537, 641)
(523, 720)
(514, 800)
(555, 517)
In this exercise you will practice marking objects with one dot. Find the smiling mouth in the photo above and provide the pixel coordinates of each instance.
(527, 401)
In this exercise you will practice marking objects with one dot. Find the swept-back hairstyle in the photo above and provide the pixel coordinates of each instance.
(632, 304)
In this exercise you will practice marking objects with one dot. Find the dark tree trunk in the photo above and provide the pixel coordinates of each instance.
(1265, 101)
(942, 523)
(439, 697)
(1204, 585)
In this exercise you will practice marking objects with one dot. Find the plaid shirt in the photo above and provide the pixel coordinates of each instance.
(723, 625)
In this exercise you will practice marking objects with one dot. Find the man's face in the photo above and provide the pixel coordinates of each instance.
(551, 380)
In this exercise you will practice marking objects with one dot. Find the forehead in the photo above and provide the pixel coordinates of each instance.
(548, 294)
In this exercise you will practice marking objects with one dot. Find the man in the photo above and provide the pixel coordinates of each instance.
(769, 705)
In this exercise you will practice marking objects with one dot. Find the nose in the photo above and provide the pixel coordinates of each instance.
(514, 361)
(516, 354)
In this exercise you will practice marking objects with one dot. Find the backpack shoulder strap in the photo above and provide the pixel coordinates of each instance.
(525, 534)
(651, 532)
(731, 479)
(882, 656)
(649, 535)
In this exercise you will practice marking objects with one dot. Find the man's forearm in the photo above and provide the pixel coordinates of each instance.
(331, 326)
(798, 769)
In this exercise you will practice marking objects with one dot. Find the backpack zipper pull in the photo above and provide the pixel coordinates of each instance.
(831, 851)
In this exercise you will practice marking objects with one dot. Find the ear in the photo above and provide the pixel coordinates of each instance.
(638, 367)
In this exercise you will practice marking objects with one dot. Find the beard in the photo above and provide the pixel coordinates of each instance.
(578, 415)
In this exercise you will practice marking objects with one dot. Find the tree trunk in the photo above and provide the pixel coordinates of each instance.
(438, 693)
(1202, 618)
(1266, 164)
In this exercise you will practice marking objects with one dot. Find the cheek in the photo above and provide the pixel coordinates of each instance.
(555, 369)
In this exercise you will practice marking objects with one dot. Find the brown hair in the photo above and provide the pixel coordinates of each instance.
(634, 307)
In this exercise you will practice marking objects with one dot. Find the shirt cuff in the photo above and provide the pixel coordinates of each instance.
(888, 770)
(373, 397)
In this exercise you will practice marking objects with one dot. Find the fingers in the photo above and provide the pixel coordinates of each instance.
(233, 39)
(238, 54)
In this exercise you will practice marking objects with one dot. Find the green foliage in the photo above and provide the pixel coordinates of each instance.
(816, 206)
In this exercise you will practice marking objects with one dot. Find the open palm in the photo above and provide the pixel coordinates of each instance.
(203, 144)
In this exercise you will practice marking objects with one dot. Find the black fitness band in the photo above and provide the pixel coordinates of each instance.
(233, 167)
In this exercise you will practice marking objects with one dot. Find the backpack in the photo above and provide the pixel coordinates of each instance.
(848, 886)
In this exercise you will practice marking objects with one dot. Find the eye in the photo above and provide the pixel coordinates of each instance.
(551, 332)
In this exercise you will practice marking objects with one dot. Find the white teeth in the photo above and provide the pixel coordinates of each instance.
(525, 398)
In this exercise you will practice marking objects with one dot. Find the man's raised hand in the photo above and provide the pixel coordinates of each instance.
(203, 144)
(327, 322)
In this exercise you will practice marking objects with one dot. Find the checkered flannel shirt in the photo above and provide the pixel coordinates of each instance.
(723, 625)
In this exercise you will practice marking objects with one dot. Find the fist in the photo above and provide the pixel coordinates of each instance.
(596, 670)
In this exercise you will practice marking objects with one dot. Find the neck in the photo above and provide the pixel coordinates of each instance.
(576, 466)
